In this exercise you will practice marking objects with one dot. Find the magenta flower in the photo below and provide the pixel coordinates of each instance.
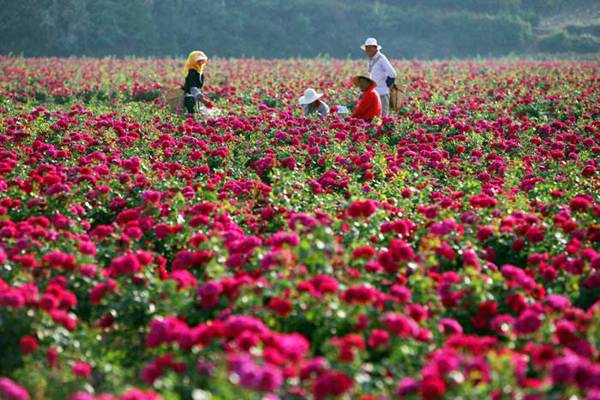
(127, 264)
(528, 322)
(81, 369)
(379, 338)
(563, 369)
(363, 209)
(449, 326)
(82, 396)
(11, 391)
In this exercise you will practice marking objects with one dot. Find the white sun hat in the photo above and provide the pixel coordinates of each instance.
(370, 42)
(310, 95)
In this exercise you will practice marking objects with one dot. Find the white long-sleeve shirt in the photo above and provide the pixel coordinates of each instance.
(381, 68)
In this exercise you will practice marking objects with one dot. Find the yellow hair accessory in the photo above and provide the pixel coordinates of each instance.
(196, 60)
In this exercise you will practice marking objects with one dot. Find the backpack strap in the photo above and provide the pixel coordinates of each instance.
(374, 61)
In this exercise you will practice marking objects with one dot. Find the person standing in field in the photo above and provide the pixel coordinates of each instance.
(311, 102)
(194, 81)
(382, 72)
(369, 102)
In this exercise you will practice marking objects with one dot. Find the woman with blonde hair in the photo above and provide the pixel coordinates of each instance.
(194, 80)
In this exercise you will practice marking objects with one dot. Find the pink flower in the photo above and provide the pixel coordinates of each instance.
(501, 323)
(162, 231)
(159, 332)
(100, 290)
(407, 386)
(399, 324)
(237, 324)
(12, 298)
(184, 278)
(81, 369)
(430, 212)
(566, 331)
(132, 165)
(82, 396)
(331, 383)
(209, 293)
(87, 248)
(580, 203)
(324, 283)
(52, 357)
(150, 196)
(270, 378)
(432, 387)
(359, 294)
(151, 373)
(558, 302)
(136, 394)
(534, 234)
(379, 338)
(280, 306)
(127, 264)
(563, 369)
(312, 367)
(293, 346)
(11, 391)
(401, 293)
(482, 201)
(363, 252)
(266, 378)
(363, 209)
(400, 250)
(284, 238)
(593, 281)
(48, 302)
(484, 233)
(449, 326)
(528, 322)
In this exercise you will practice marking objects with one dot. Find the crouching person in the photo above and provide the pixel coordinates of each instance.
(369, 103)
(194, 81)
(311, 103)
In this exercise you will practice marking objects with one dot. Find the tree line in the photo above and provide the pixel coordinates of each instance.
(289, 28)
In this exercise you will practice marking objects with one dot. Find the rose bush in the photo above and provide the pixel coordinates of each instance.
(451, 250)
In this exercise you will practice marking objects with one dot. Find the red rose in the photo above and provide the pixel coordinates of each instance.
(331, 383)
(379, 338)
(432, 387)
(52, 357)
(534, 234)
(364, 252)
(281, 306)
(28, 344)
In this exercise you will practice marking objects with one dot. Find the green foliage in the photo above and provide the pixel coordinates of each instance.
(283, 29)
(566, 42)
(14, 326)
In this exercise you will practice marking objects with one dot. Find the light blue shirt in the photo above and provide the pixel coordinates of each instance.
(323, 109)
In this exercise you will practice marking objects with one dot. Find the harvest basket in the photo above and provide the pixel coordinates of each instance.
(396, 97)
(174, 100)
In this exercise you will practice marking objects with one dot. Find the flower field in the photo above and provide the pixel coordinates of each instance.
(451, 252)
